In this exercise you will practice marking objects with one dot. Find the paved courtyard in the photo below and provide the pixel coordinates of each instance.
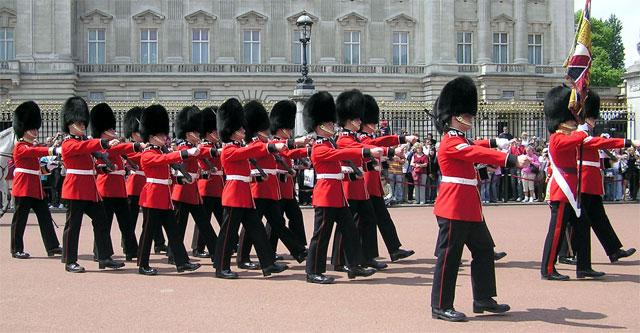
(38, 295)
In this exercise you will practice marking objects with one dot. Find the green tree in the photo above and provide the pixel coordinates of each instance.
(607, 51)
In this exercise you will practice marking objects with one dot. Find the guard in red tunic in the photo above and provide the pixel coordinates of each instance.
(186, 195)
(329, 201)
(155, 198)
(592, 185)
(283, 119)
(458, 209)
(211, 179)
(237, 202)
(79, 187)
(136, 178)
(27, 187)
(266, 190)
(111, 183)
(350, 107)
(370, 120)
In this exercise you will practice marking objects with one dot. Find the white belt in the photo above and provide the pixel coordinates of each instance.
(377, 168)
(159, 181)
(267, 171)
(459, 180)
(29, 171)
(245, 179)
(361, 169)
(591, 163)
(81, 172)
(337, 176)
(117, 172)
(139, 173)
(217, 173)
(194, 175)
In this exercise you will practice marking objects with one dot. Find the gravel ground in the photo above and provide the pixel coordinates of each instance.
(38, 295)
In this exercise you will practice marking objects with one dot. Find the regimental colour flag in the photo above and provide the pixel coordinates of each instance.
(579, 62)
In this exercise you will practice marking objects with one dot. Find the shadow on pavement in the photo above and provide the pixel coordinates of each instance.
(560, 316)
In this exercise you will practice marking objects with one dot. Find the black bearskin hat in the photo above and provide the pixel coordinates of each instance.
(256, 117)
(592, 105)
(318, 109)
(74, 110)
(102, 119)
(208, 120)
(349, 105)
(371, 110)
(556, 107)
(187, 120)
(283, 115)
(154, 120)
(131, 121)
(230, 118)
(26, 117)
(459, 96)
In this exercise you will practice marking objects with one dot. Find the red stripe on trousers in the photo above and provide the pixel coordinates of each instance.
(556, 238)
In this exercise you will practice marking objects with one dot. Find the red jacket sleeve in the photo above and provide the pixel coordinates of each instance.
(325, 153)
(74, 147)
(478, 154)
(605, 143)
(161, 159)
(295, 153)
(256, 150)
(383, 141)
(26, 151)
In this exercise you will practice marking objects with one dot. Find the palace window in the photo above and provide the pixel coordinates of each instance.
(351, 47)
(465, 47)
(500, 48)
(149, 46)
(251, 47)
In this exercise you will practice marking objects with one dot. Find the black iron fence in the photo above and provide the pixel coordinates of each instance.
(402, 116)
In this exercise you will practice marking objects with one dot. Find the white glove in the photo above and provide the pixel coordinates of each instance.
(346, 169)
(52, 165)
(502, 143)
(193, 151)
(58, 151)
(583, 127)
(255, 173)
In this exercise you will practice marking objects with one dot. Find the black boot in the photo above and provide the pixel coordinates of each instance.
(274, 269)
(401, 254)
(555, 276)
(375, 264)
(621, 254)
(249, 265)
(157, 249)
(188, 267)
(340, 268)
(110, 263)
(226, 274)
(301, 257)
(74, 268)
(20, 255)
(54, 251)
(489, 305)
(498, 255)
(589, 273)
(201, 254)
(319, 279)
(146, 270)
(448, 314)
(359, 271)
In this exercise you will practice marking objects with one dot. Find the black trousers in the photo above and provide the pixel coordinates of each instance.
(322, 228)
(203, 224)
(385, 225)
(270, 209)
(19, 223)
(363, 215)
(152, 220)
(291, 209)
(232, 217)
(452, 237)
(212, 206)
(71, 235)
(592, 206)
(134, 211)
(563, 214)
(120, 207)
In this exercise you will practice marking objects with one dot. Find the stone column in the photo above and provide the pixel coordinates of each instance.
(24, 29)
(300, 97)
(447, 32)
(632, 78)
(521, 35)
(484, 32)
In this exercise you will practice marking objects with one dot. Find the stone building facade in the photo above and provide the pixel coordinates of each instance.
(182, 50)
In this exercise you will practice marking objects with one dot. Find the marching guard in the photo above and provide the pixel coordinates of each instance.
(186, 195)
(329, 201)
(155, 198)
(27, 187)
(458, 209)
(111, 183)
(80, 189)
(266, 190)
(238, 204)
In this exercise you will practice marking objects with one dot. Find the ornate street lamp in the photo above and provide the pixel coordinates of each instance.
(304, 22)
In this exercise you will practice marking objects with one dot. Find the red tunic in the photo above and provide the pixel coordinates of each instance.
(112, 185)
(354, 189)
(211, 185)
(287, 187)
(234, 158)
(591, 171)
(188, 193)
(372, 176)
(326, 158)
(27, 156)
(456, 157)
(76, 155)
(268, 188)
(156, 167)
(136, 179)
